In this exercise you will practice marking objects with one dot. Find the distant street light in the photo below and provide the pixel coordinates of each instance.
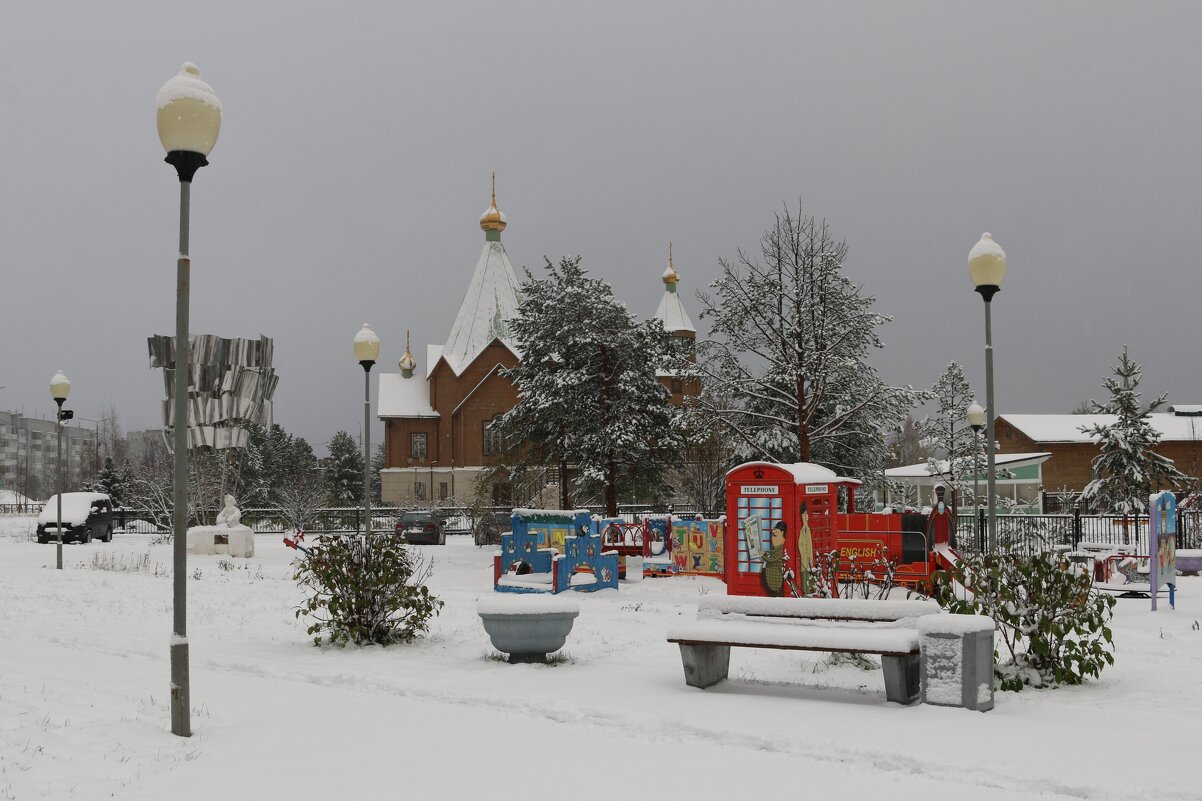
(976, 420)
(189, 121)
(987, 267)
(60, 388)
(367, 348)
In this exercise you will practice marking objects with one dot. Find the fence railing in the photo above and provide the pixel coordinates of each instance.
(349, 520)
(1030, 533)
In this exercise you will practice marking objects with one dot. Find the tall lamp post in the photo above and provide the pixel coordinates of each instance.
(987, 267)
(189, 120)
(367, 348)
(60, 388)
(976, 420)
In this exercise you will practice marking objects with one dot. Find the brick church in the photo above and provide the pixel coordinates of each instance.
(436, 415)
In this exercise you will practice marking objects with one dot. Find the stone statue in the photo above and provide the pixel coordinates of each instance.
(229, 515)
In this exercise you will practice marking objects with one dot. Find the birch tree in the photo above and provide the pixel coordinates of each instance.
(785, 369)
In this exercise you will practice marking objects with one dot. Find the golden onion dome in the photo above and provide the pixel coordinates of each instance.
(493, 219)
(407, 363)
(670, 277)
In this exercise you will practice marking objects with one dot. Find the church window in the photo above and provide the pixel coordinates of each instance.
(417, 446)
(493, 443)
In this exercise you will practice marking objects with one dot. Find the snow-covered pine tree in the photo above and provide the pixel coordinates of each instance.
(948, 432)
(344, 475)
(785, 368)
(113, 480)
(587, 391)
(1128, 469)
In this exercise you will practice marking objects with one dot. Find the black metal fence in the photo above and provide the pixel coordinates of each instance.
(1031, 533)
(349, 520)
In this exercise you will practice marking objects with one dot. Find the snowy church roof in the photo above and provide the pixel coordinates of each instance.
(491, 300)
(672, 314)
(403, 397)
(671, 311)
(1067, 427)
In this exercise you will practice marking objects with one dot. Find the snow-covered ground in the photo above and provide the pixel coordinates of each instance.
(84, 675)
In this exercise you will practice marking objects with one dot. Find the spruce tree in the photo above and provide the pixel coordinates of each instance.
(113, 480)
(947, 430)
(344, 473)
(1128, 469)
(587, 388)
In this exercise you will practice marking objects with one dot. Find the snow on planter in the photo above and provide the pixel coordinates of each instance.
(957, 660)
(527, 627)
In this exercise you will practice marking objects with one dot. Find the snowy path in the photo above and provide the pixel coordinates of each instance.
(83, 676)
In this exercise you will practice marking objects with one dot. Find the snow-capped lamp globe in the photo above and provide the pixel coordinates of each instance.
(189, 120)
(975, 415)
(987, 266)
(367, 346)
(60, 388)
(407, 363)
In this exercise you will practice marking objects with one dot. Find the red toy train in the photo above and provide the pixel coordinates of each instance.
(782, 517)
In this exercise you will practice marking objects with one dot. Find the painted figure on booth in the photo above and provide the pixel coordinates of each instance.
(775, 561)
(805, 551)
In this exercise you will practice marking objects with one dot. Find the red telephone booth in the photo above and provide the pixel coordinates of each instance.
(779, 516)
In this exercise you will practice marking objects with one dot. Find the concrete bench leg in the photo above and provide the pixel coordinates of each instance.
(705, 665)
(903, 678)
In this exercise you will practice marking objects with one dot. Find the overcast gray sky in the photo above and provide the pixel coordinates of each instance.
(358, 139)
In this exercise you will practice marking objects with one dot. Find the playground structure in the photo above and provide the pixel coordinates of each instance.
(550, 551)
(783, 520)
(669, 546)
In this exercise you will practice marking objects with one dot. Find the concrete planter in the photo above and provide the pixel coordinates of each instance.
(957, 660)
(527, 627)
(1189, 562)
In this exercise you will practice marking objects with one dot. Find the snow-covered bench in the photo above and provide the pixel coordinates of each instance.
(886, 628)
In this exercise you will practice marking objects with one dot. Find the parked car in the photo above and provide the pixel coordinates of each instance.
(85, 515)
(422, 528)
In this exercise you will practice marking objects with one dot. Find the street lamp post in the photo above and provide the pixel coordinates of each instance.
(60, 388)
(987, 267)
(367, 348)
(189, 121)
(976, 420)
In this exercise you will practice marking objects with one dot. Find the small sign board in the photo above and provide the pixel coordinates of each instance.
(759, 489)
(817, 489)
(1162, 545)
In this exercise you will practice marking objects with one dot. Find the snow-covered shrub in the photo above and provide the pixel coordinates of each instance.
(365, 589)
(1054, 626)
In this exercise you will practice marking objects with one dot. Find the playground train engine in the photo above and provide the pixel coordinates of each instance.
(792, 530)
